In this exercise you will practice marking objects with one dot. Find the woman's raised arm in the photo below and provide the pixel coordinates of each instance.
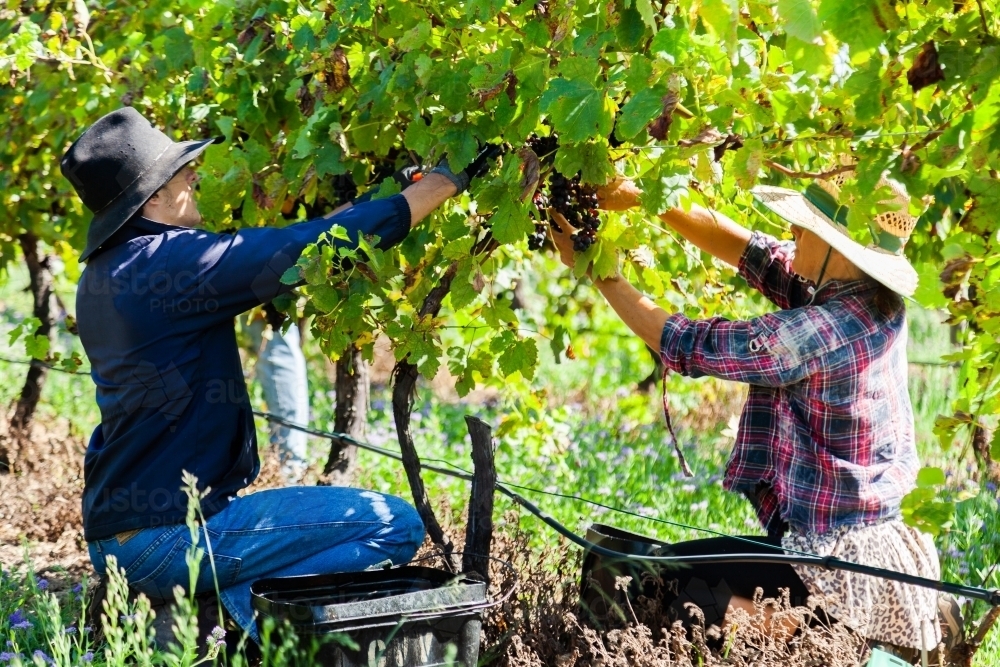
(713, 232)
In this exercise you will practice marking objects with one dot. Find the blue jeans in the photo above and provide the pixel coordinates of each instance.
(281, 371)
(275, 533)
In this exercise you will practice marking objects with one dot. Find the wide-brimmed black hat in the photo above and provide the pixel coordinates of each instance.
(117, 164)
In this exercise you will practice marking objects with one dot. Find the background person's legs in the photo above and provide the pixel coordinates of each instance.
(281, 371)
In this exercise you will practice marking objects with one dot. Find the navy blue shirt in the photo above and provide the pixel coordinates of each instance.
(156, 308)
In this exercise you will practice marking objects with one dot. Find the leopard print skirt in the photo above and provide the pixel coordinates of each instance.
(881, 610)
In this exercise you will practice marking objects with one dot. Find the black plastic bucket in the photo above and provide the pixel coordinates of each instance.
(602, 603)
(400, 617)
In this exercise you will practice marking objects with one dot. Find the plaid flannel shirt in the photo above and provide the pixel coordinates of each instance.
(826, 436)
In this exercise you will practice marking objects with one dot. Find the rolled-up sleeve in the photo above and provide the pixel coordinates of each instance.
(731, 350)
(766, 264)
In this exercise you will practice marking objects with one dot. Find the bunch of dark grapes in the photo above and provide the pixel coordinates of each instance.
(538, 238)
(578, 204)
(544, 147)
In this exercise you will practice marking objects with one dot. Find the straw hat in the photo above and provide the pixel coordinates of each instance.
(820, 210)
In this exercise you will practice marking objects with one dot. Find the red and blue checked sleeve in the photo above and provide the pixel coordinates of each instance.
(726, 349)
(766, 264)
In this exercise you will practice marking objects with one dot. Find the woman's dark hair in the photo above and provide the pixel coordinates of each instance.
(888, 302)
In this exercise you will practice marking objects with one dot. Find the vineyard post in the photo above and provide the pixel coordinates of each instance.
(404, 391)
(479, 530)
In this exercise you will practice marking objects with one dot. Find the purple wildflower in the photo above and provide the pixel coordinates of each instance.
(88, 656)
(991, 487)
(7, 656)
(78, 588)
(71, 630)
(42, 655)
(217, 639)
(43, 584)
(18, 621)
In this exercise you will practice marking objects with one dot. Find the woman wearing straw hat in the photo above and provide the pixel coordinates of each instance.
(825, 450)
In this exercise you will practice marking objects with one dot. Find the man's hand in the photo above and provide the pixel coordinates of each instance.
(476, 168)
(620, 194)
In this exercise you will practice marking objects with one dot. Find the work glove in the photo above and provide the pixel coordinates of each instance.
(476, 168)
(406, 177)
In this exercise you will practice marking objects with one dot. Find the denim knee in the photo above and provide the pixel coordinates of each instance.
(408, 529)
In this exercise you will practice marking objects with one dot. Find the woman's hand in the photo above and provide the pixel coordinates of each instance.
(620, 194)
(562, 240)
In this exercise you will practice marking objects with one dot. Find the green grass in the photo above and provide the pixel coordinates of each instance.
(596, 437)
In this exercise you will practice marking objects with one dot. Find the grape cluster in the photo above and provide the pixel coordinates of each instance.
(544, 147)
(538, 238)
(571, 198)
(578, 204)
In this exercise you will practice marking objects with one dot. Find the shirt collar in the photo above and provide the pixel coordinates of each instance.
(840, 288)
(136, 227)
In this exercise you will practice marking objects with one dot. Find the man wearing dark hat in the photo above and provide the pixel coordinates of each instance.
(156, 307)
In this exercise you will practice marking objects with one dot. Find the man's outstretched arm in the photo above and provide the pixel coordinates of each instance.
(427, 194)
(423, 195)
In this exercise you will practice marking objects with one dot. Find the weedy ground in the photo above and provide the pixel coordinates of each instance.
(596, 438)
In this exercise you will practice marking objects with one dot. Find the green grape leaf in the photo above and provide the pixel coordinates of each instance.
(511, 221)
(747, 163)
(930, 290)
(630, 29)
(37, 346)
(922, 509)
(292, 275)
(606, 260)
(419, 137)
(930, 477)
(860, 23)
(324, 297)
(328, 160)
(27, 327)
(416, 37)
(591, 159)
(648, 14)
(662, 187)
(799, 18)
(639, 111)
(461, 145)
(521, 356)
(578, 109)
(483, 10)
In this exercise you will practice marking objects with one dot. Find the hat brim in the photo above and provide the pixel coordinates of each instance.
(892, 270)
(112, 217)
